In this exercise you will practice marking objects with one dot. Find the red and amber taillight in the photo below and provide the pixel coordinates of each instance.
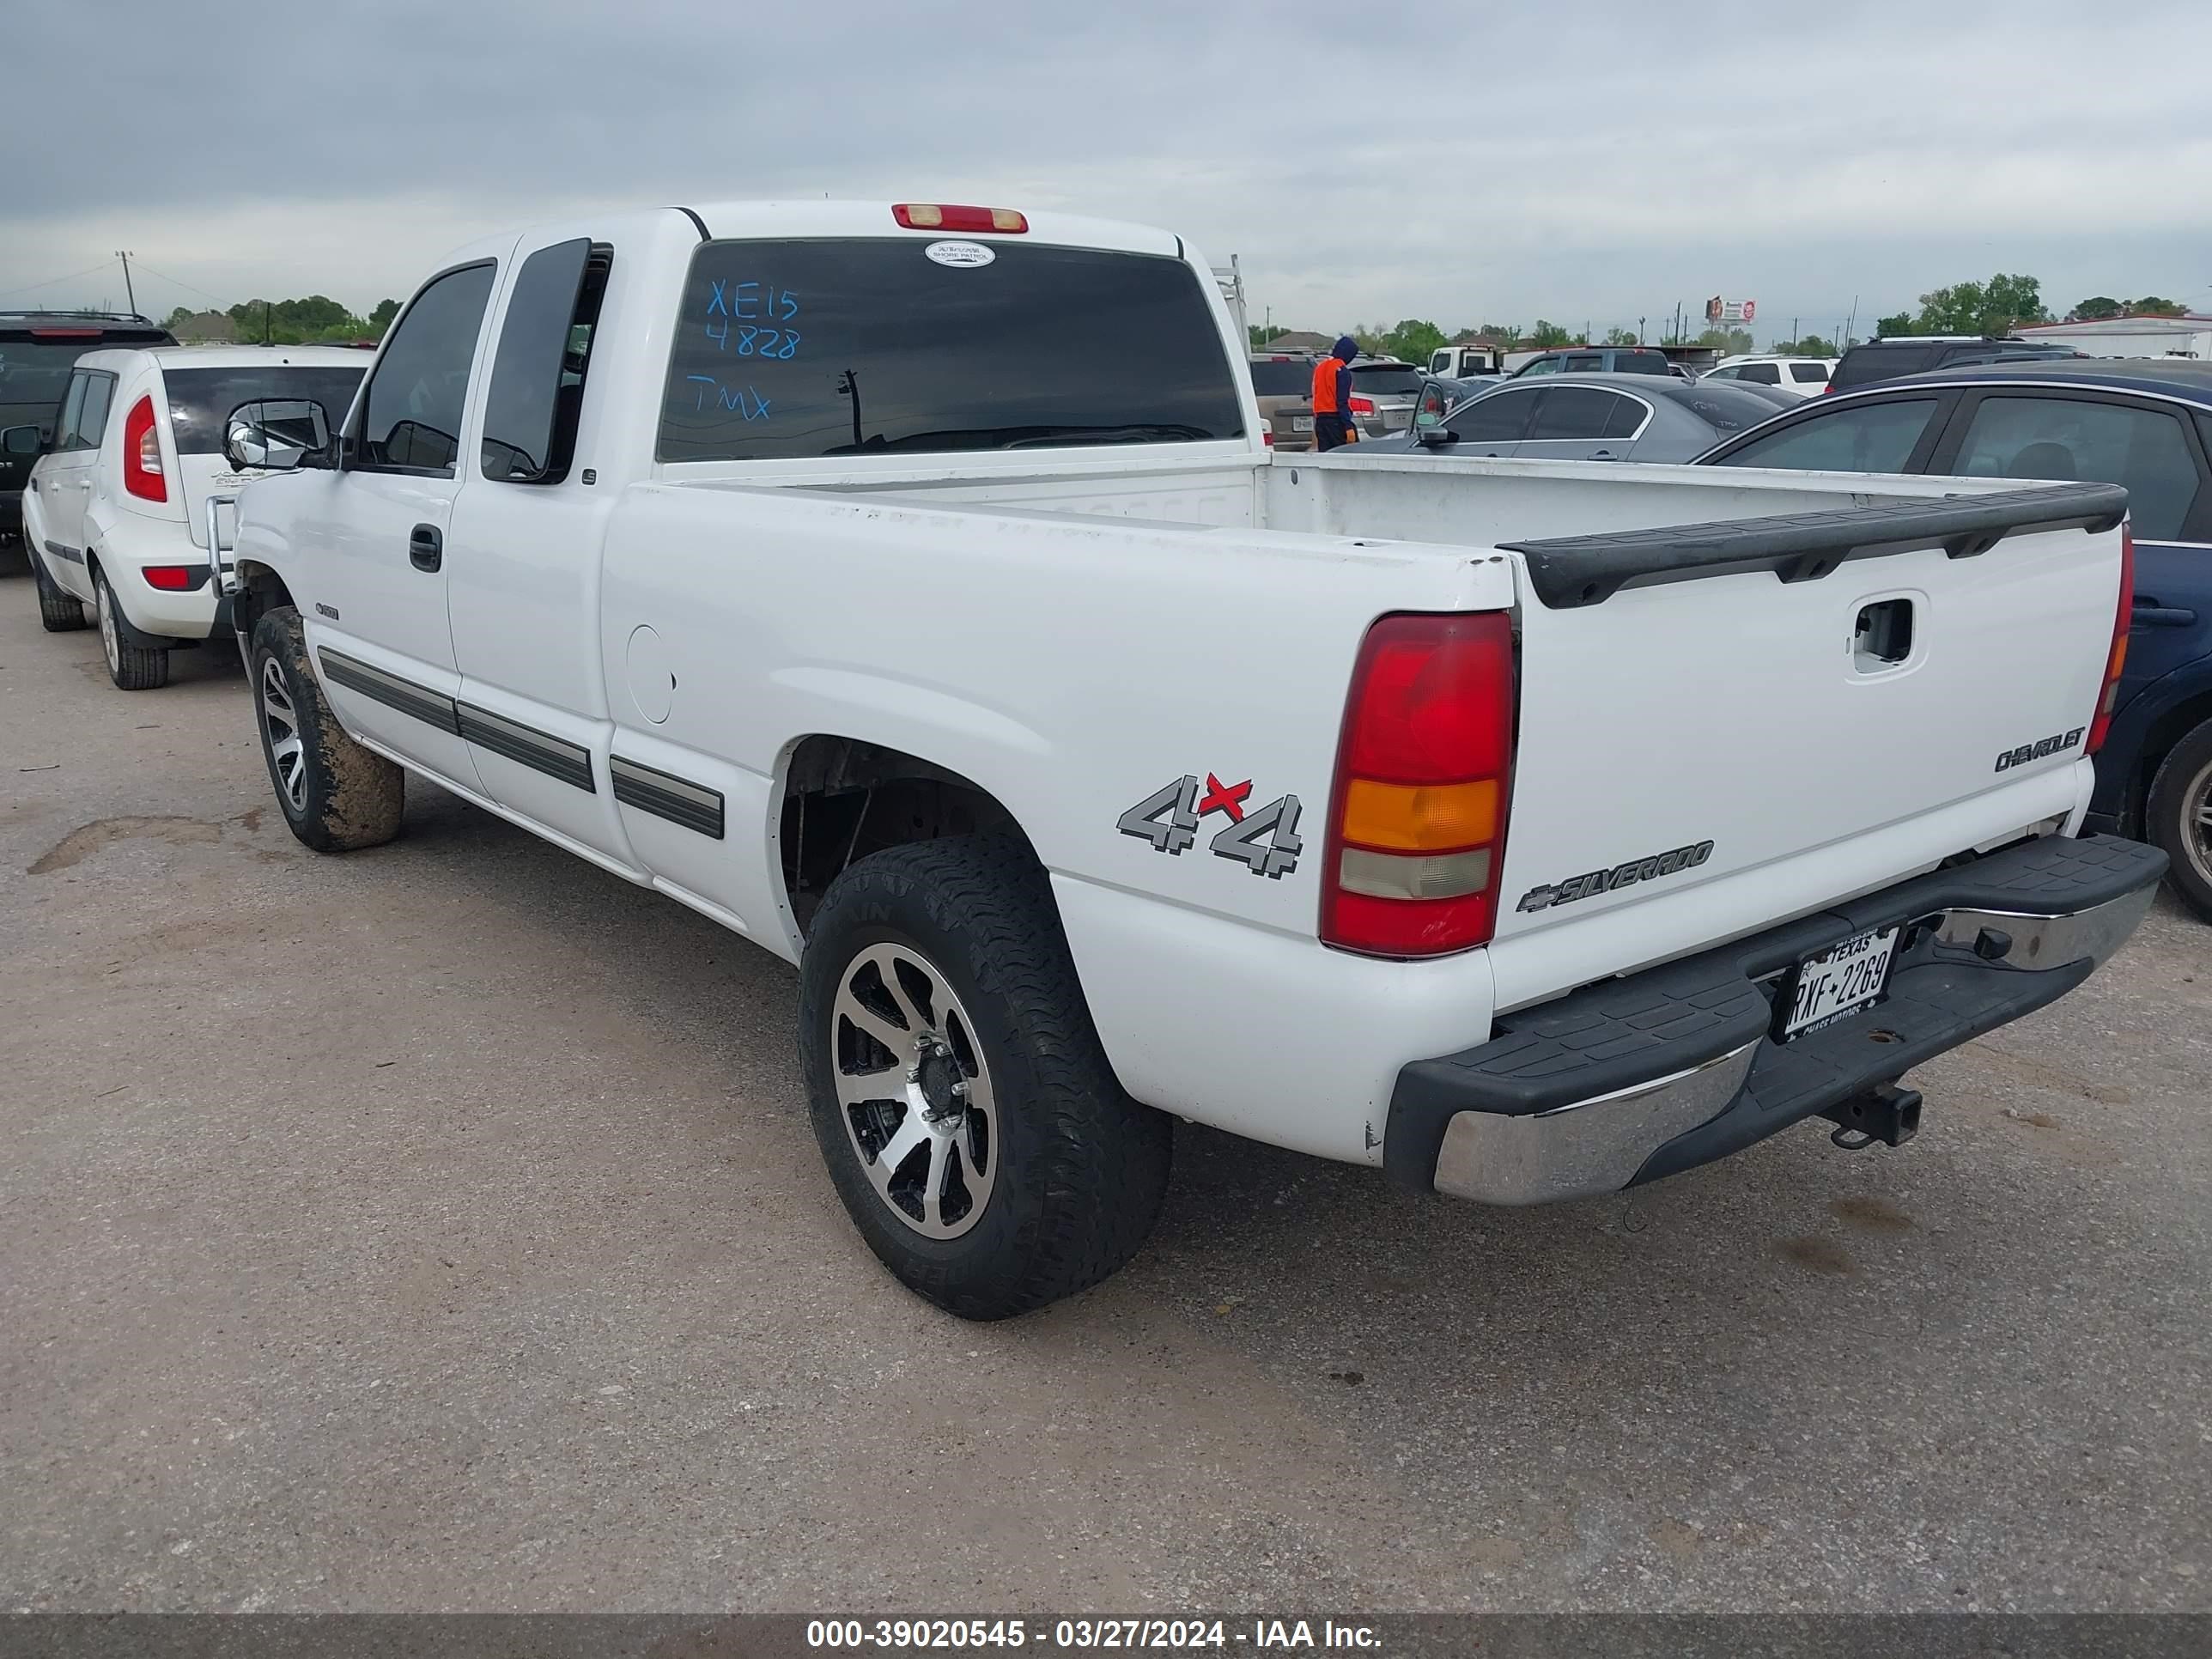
(1417, 825)
(2108, 699)
(142, 453)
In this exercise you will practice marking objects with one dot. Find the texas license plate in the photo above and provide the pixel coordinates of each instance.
(1300, 422)
(1840, 981)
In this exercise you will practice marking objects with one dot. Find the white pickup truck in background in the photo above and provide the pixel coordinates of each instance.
(909, 589)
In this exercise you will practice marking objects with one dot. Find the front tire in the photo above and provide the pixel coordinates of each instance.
(336, 796)
(2179, 815)
(133, 667)
(962, 1102)
(60, 611)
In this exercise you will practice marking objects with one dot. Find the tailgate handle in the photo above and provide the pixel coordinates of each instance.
(426, 548)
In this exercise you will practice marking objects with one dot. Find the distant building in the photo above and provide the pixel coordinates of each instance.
(2188, 336)
(203, 328)
(1297, 340)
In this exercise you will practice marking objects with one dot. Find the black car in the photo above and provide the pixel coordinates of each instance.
(37, 350)
(2144, 424)
(1881, 359)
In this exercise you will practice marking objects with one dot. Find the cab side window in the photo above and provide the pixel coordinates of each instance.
(410, 416)
(537, 393)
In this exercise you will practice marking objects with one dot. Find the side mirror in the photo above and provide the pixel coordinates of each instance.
(21, 440)
(274, 436)
(1436, 437)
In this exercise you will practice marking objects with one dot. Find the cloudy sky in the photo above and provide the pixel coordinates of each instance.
(1589, 161)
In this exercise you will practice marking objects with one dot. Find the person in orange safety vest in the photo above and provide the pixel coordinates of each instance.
(1332, 397)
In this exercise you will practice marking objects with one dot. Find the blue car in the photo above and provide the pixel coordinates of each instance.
(2146, 423)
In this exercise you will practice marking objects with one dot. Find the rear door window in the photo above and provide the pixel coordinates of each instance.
(1640, 362)
(201, 399)
(72, 401)
(1543, 366)
(91, 418)
(1573, 411)
(1868, 437)
(1762, 373)
(411, 420)
(1585, 362)
(1809, 373)
(1626, 419)
(2068, 438)
(1503, 417)
(791, 350)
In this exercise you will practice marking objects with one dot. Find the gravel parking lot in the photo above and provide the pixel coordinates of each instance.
(438, 1228)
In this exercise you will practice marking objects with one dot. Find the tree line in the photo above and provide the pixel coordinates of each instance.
(1996, 306)
(316, 319)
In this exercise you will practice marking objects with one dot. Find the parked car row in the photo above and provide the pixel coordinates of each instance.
(115, 514)
(37, 350)
(742, 550)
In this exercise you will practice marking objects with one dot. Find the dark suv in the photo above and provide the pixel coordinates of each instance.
(37, 350)
(1880, 359)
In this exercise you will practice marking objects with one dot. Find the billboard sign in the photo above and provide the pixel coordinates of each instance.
(1723, 312)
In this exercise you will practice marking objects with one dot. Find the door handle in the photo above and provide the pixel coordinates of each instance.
(426, 548)
(2148, 613)
(1602, 455)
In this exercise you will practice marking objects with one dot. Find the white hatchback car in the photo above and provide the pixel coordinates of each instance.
(115, 513)
(1806, 376)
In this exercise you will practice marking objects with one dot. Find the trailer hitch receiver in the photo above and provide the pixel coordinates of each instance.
(1884, 1113)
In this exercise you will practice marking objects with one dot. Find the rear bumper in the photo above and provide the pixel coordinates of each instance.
(1634, 1079)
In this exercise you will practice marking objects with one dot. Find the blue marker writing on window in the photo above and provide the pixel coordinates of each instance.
(740, 400)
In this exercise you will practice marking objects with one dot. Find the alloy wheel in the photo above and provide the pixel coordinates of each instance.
(913, 1090)
(280, 725)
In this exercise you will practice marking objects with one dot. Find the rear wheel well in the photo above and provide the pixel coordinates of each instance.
(844, 798)
(260, 591)
(2169, 729)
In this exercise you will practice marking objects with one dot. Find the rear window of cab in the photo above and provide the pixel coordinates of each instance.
(799, 349)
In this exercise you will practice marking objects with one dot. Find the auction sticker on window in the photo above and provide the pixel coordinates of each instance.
(1840, 981)
(960, 254)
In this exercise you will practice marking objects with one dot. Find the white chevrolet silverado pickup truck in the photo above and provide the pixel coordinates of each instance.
(909, 588)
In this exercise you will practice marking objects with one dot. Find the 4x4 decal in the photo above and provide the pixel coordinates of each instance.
(1264, 841)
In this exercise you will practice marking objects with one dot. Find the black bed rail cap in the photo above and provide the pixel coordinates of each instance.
(1570, 571)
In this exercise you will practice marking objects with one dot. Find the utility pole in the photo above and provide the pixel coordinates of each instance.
(1639, 330)
(124, 254)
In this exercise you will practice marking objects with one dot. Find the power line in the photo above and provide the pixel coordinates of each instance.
(178, 281)
(53, 281)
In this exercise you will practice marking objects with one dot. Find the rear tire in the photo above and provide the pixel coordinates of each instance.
(2179, 815)
(133, 667)
(1060, 1184)
(336, 796)
(60, 611)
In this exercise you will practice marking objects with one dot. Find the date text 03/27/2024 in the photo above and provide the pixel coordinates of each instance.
(1086, 1635)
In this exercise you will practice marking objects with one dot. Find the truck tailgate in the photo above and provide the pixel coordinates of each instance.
(1710, 707)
